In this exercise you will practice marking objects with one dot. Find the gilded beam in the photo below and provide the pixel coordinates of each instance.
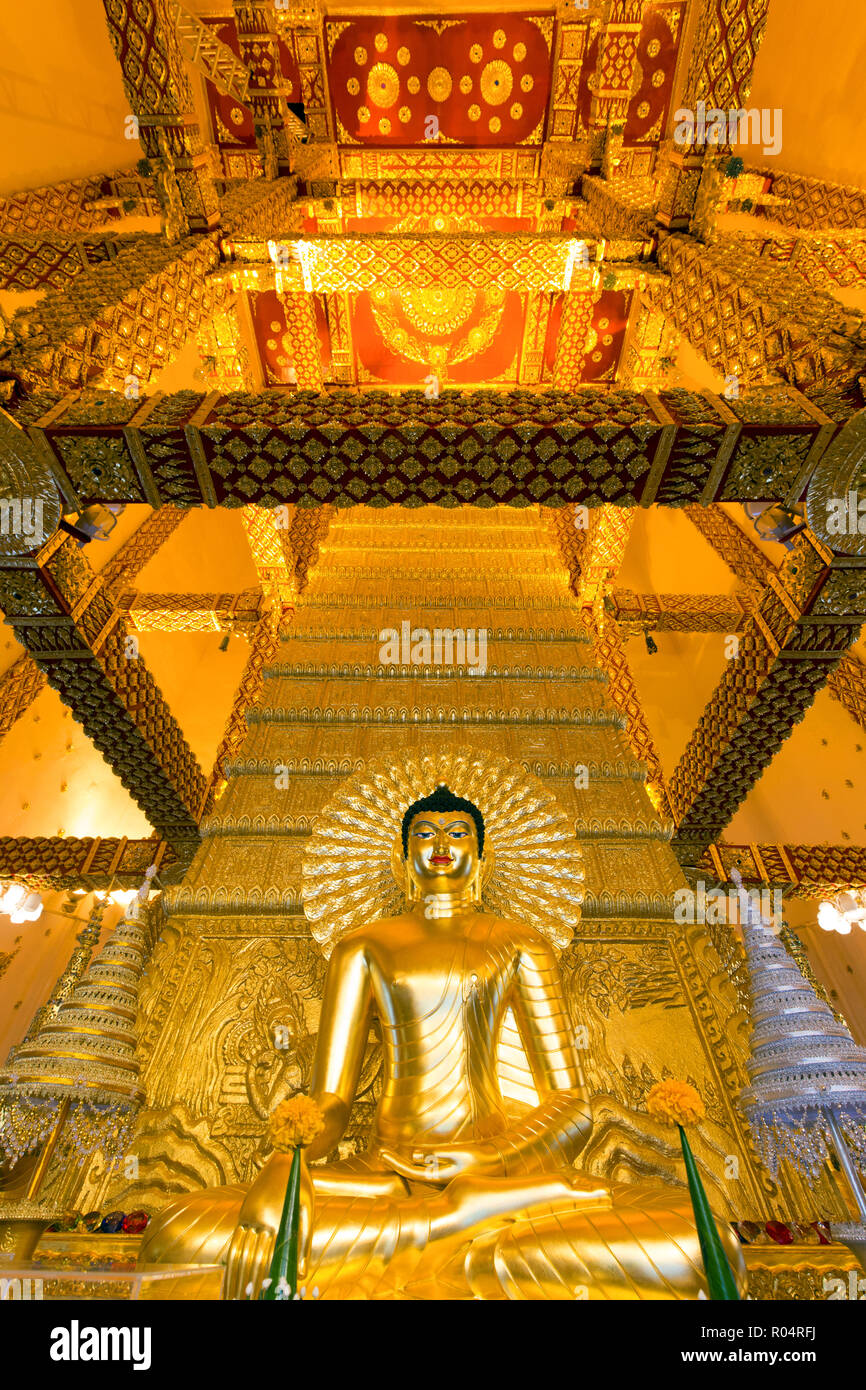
(70, 208)
(66, 617)
(120, 321)
(20, 685)
(808, 616)
(827, 261)
(590, 446)
(50, 863)
(609, 649)
(192, 612)
(142, 545)
(46, 261)
(264, 645)
(799, 871)
(756, 322)
(740, 553)
(678, 612)
(814, 204)
(847, 683)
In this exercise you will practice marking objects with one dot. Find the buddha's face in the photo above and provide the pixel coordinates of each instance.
(442, 851)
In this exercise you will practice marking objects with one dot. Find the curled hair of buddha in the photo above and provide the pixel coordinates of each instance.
(440, 801)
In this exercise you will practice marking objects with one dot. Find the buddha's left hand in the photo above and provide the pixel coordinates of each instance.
(441, 1165)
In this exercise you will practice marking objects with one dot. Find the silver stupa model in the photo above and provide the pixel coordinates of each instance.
(807, 1097)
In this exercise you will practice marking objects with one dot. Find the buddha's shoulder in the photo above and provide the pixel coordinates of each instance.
(380, 929)
(512, 930)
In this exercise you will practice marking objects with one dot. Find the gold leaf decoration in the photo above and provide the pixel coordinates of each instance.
(439, 84)
(496, 82)
(383, 86)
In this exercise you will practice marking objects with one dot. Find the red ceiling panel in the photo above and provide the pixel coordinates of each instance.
(403, 342)
(478, 80)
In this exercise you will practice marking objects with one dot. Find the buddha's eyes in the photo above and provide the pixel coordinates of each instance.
(457, 832)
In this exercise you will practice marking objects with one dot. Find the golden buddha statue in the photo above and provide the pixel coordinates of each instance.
(458, 1196)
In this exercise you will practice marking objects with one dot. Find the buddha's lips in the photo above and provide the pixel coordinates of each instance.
(441, 859)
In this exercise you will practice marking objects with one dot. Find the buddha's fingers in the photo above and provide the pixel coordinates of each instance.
(247, 1264)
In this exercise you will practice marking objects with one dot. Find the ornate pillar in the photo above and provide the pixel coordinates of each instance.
(160, 98)
(266, 94)
(809, 615)
(720, 70)
(614, 76)
(65, 616)
(270, 547)
(20, 685)
(301, 22)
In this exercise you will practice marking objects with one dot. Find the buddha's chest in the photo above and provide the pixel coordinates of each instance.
(430, 988)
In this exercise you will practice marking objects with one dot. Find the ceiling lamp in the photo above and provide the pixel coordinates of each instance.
(847, 910)
(21, 903)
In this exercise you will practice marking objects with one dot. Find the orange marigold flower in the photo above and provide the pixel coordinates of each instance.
(675, 1103)
(295, 1123)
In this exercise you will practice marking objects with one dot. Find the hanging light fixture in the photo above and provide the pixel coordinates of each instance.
(21, 903)
(843, 913)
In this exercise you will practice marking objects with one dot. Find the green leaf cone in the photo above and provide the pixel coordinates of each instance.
(284, 1264)
(720, 1276)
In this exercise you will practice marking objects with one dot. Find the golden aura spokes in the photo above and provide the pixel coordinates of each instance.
(353, 870)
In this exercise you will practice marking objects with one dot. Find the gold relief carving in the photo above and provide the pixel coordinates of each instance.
(360, 57)
(403, 56)
(413, 85)
(383, 85)
(439, 84)
(496, 82)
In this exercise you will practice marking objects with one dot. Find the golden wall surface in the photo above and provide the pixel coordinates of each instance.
(231, 1004)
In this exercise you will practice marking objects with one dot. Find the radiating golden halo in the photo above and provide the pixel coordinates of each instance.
(535, 873)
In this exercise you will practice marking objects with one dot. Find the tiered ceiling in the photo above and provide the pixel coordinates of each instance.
(439, 126)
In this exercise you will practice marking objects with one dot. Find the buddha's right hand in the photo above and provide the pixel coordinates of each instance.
(252, 1245)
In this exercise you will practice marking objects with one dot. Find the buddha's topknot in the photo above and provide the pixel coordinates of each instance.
(439, 801)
